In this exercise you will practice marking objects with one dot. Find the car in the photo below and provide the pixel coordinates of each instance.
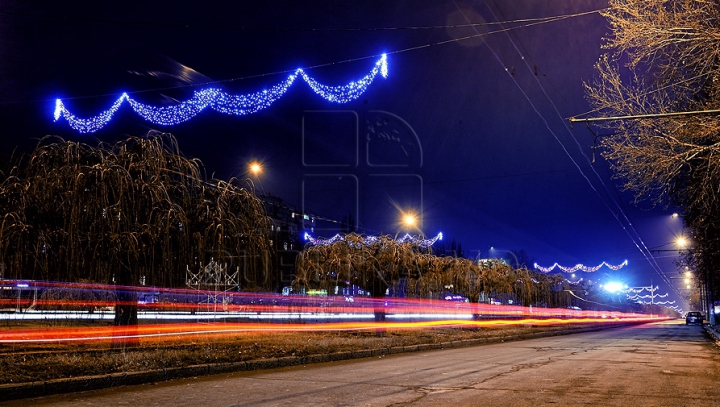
(693, 317)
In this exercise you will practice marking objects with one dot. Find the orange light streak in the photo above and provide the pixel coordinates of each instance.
(183, 331)
(161, 303)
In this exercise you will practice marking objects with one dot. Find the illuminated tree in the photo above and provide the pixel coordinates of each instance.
(665, 58)
(136, 212)
(412, 269)
(374, 266)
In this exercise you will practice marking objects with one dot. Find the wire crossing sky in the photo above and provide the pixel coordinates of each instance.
(221, 101)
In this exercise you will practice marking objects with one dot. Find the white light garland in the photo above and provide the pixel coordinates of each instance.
(637, 290)
(368, 240)
(580, 267)
(645, 297)
(651, 289)
(656, 302)
(220, 101)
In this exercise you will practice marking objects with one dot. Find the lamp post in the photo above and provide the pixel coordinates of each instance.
(707, 297)
(255, 168)
(682, 243)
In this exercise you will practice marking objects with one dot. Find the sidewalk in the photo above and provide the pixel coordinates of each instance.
(714, 331)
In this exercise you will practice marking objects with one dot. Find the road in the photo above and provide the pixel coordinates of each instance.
(659, 364)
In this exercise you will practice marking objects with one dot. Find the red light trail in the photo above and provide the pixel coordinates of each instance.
(239, 313)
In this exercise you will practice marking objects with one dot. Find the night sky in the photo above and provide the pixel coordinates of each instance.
(469, 128)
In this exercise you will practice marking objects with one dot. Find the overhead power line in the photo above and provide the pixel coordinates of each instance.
(642, 116)
(192, 25)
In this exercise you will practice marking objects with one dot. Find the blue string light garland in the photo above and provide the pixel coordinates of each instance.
(221, 101)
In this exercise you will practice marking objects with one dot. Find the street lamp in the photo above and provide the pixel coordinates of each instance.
(688, 279)
(255, 168)
(409, 220)
(681, 242)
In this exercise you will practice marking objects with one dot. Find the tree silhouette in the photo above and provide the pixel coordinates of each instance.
(134, 212)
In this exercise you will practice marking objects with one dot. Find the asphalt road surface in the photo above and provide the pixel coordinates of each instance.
(659, 364)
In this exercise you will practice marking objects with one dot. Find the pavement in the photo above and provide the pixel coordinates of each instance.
(663, 364)
(714, 331)
(12, 391)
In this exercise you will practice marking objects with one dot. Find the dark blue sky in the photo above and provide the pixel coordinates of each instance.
(469, 132)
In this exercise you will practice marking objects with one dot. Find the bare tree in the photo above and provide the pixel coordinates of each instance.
(664, 57)
(670, 51)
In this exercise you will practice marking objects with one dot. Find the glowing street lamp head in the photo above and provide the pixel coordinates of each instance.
(409, 220)
(255, 168)
(613, 287)
(682, 242)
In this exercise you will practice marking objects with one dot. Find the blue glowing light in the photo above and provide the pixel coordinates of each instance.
(221, 101)
(613, 287)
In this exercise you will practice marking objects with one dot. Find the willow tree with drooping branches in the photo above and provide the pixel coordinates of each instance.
(412, 270)
(133, 212)
(374, 266)
(663, 58)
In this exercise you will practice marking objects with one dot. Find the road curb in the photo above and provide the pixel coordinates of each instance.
(86, 383)
(713, 332)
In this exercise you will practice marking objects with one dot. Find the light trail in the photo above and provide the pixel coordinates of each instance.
(175, 332)
(197, 313)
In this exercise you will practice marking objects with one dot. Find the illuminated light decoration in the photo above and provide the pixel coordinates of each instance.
(580, 267)
(424, 243)
(656, 302)
(88, 125)
(637, 290)
(368, 240)
(645, 297)
(221, 101)
(651, 289)
(574, 282)
(677, 309)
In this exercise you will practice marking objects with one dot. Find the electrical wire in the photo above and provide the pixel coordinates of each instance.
(527, 23)
(628, 227)
(185, 26)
